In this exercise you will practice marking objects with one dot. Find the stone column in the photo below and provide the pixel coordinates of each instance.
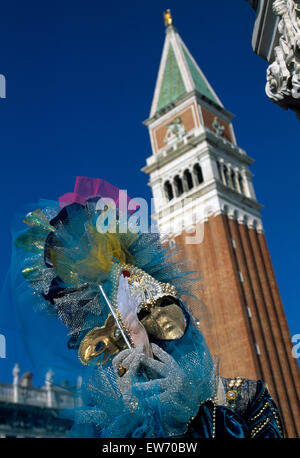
(207, 167)
(16, 373)
(230, 182)
(245, 183)
(49, 388)
(236, 179)
(158, 195)
(221, 162)
(184, 183)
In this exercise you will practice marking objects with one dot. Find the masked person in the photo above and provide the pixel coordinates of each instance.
(147, 369)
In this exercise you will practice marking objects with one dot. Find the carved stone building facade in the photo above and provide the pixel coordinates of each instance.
(26, 411)
(276, 38)
(205, 204)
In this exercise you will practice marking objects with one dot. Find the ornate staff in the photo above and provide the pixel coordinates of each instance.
(115, 317)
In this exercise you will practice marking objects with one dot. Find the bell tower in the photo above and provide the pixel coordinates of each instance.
(205, 203)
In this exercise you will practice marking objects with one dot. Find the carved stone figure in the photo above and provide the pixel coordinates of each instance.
(27, 380)
(217, 127)
(175, 130)
(283, 75)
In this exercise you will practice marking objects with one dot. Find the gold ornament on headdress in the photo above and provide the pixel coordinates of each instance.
(146, 287)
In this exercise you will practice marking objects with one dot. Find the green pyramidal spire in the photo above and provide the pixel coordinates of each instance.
(199, 82)
(172, 83)
(178, 73)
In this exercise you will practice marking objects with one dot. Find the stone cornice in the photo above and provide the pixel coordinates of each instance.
(236, 198)
(265, 30)
(159, 160)
(228, 147)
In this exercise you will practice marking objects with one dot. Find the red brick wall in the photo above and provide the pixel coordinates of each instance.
(230, 333)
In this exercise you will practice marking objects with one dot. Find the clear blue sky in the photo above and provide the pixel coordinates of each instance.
(80, 79)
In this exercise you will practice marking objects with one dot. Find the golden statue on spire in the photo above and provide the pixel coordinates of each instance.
(168, 18)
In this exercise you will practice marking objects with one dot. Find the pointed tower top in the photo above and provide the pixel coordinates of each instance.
(178, 73)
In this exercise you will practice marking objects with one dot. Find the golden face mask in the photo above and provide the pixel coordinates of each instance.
(108, 336)
(165, 322)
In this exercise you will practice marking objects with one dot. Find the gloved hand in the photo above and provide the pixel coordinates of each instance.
(160, 387)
